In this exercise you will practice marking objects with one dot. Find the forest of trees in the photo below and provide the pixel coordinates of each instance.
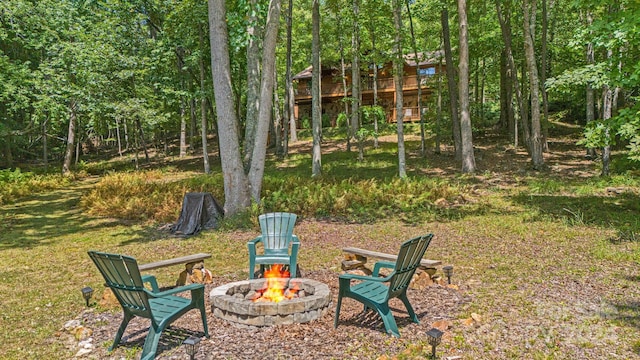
(84, 77)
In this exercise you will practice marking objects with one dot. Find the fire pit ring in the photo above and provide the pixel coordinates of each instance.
(229, 303)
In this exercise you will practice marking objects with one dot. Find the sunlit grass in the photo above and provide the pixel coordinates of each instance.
(506, 244)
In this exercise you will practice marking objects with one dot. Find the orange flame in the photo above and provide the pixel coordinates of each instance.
(275, 289)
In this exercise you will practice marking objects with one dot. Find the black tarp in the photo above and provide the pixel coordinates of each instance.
(200, 211)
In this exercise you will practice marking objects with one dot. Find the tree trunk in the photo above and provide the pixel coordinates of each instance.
(254, 33)
(375, 82)
(423, 149)
(543, 77)
(468, 159)
(45, 150)
(183, 128)
(192, 116)
(236, 186)
(437, 149)
(398, 62)
(345, 94)
(118, 136)
(256, 171)
(355, 74)
(71, 136)
(203, 106)
(142, 140)
(590, 95)
(451, 84)
(78, 139)
(529, 11)
(505, 26)
(607, 101)
(277, 119)
(316, 95)
(126, 134)
(289, 97)
(504, 100)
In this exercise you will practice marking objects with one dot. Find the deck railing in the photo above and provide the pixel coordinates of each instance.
(384, 84)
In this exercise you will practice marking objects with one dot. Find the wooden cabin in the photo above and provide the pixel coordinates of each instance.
(332, 90)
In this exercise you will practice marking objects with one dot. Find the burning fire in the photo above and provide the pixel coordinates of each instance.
(275, 289)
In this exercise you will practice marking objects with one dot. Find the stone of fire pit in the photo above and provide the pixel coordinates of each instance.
(228, 305)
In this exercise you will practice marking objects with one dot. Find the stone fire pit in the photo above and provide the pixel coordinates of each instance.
(230, 302)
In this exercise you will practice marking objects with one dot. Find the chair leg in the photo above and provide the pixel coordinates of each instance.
(252, 266)
(123, 325)
(335, 320)
(389, 322)
(203, 315)
(151, 343)
(293, 268)
(407, 305)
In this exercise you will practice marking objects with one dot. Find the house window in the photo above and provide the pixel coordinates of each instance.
(427, 72)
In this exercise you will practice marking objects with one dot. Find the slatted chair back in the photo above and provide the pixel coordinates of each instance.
(123, 277)
(277, 231)
(411, 252)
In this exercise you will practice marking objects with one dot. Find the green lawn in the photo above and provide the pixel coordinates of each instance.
(550, 264)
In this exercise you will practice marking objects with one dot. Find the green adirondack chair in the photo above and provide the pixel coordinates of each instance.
(374, 292)
(277, 235)
(122, 275)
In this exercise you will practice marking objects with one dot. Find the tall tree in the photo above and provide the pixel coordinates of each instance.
(203, 103)
(512, 73)
(71, 136)
(254, 32)
(355, 74)
(419, 80)
(529, 11)
(544, 63)
(590, 93)
(266, 100)
(451, 83)
(289, 97)
(468, 158)
(316, 96)
(398, 73)
(236, 184)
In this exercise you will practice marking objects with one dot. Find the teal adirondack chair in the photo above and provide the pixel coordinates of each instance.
(373, 292)
(277, 235)
(122, 275)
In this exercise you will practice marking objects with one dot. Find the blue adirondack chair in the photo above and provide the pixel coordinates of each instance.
(123, 277)
(277, 235)
(375, 292)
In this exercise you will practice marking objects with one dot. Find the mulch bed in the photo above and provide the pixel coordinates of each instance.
(358, 336)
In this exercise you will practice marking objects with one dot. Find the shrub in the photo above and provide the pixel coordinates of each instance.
(146, 195)
(150, 196)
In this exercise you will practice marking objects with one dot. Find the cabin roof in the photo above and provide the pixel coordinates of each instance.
(425, 58)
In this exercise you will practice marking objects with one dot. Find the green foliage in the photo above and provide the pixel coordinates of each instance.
(342, 120)
(371, 113)
(150, 196)
(361, 200)
(305, 123)
(628, 127)
(15, 184)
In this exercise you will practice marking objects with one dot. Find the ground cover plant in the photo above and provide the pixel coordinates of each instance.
(546, 264)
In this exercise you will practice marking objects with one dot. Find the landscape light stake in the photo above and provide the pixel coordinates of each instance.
(434, 336)
(87, 292)
(191, 344)
(448, 272)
